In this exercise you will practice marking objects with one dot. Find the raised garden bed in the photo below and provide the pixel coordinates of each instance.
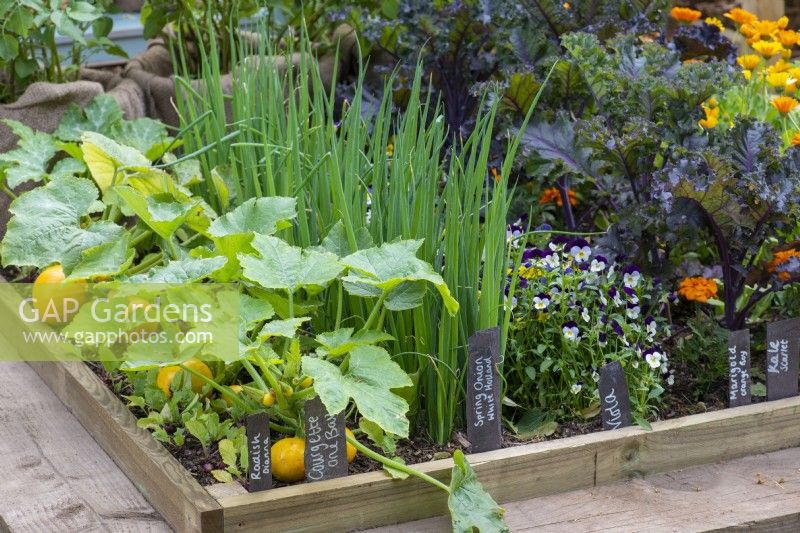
(360, 501)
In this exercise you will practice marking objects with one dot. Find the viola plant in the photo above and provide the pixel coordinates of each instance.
(574, 311)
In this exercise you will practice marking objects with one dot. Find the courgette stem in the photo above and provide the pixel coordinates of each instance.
(396, 465)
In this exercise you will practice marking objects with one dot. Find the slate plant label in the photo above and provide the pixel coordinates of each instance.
(259, 473)
(615, 401)
(326, 444)
(483, 391)
(739, 392)
(783, 348)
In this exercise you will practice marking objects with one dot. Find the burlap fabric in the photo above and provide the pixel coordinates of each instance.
(144, 88)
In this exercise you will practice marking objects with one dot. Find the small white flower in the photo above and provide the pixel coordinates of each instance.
(618, 299)
(633, 312)
(540, 303)
(576, 388)
(631, 279)
(580, 254)
(585, 315)
(653, 359)
(651, 328)
(551, 261)
(571, 333)
(671, 380)
(597, 266)
(664, 367)
(603, 300)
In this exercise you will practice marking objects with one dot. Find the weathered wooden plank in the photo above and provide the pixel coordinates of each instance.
(755, 493)
(766, 9)
(701, 439)
(527, 471)
(54, 476)
(169, 487)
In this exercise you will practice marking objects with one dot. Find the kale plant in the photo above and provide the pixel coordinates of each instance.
(743, 192)
(642, 103)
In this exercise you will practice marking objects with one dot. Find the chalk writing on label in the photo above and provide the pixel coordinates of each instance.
(483, 387)
(740, 373)
(259, 472)
(483, 391)
(615, 404)
(260, 457)
(783, 352)
(778, 356)
(324, 454)
(614, 418)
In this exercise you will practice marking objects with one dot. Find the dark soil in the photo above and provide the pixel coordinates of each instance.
(16, 275)
(678, 401)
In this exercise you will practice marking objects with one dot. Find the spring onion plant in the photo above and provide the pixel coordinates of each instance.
(370, 175)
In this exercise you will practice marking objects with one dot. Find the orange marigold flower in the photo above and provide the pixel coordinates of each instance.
(553, 195)
(781, 257)
(765, 28)
(749, 61)
(784, 104)
(741, 16)
(796, 139)
(685, 14)
(768, 48)
(750, 32)
(788, 38)
(698, 289)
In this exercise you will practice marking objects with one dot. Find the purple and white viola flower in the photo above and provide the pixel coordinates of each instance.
(602, 339)
(631, 275)
(630, 294)
(650, 326)
(551, 261)
(585, 315)
(579, 253)
(571, 331)
(613, 293)
(514, 231)
(599, 264)
(576, 387)
(541, 301)
(653, 357)
(632, 311)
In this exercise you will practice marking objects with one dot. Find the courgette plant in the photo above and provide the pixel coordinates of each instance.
(106, 211)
